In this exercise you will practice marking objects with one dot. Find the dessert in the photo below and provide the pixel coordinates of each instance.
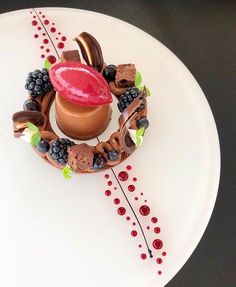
(82, 93)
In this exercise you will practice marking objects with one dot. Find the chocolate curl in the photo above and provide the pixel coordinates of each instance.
(21, 118)
(116, 90)
(91, 50)
(130, 110)
(114, 143)
(127, 119)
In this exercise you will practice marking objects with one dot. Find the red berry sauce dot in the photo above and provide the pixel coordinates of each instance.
(163, 253)
(140, 245)
(148, 227)
(39, 28)
(159, 261)
(134, 179)
(141, 193)
(44, 34)
(123, 176)
(133, 223)
(53, 30)
(143, 256)
(41, 47)
(131, 188)
(63, 38)
(53, 23)
(159, 272)
(45, 41)
(36, 36)
(31, 12)
(145, 200)
(43, 16)
(34, 16)
(59, 33)
(157, 229)
(127, 218)
(46, 22)
(60, 45)
(116, 201)
(128, 167)
(157, 244)
(42, 56)
(109, 183)
(40, 12)
(144, 210)
(121, 211)
(56, 38)
(47, 50)
(134, 233)
(154, 220)
(115, 188)
(51, 59)
(106, 176)
(136, 198)
(107, 192)
(34, 23)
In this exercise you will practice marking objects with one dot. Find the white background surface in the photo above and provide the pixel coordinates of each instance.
(67, 233)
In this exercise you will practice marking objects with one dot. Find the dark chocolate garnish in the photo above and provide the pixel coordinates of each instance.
(91, 50)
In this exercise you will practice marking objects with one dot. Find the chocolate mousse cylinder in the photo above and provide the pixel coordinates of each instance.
(80, 122)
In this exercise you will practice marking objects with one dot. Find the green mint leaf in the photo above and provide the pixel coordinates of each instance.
(35, 139)
(138, 143)
(148, 94)
(67, 172)
(47, 65)
(138, 79)
(32, 127)
(140, 132)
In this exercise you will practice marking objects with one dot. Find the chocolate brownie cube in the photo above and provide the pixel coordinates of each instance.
(70, 56)
(125, 75)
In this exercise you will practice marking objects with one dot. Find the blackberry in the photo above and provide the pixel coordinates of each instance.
(58, 150)
(38, 83)
(127, 98)
(99, 161)
(109, 73)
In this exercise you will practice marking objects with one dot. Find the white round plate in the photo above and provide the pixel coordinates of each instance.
(57, 232)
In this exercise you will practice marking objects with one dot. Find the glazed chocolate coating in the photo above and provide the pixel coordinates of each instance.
(91, 50)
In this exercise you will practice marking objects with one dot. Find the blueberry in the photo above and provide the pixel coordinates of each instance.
(113, 155)
(43, 146)
(99, 161)
(143, 123)
(109, 73)
(31, 105)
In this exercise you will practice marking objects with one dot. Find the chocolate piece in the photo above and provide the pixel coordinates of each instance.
(116, 90)
(80, 157)
(70, 56)
(91, 51)
(125, 75)
(130, 110)
(21, 118)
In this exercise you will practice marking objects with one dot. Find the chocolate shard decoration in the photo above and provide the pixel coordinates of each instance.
(21, 118)
(91, 50)
(125, 75)
(70, 56)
